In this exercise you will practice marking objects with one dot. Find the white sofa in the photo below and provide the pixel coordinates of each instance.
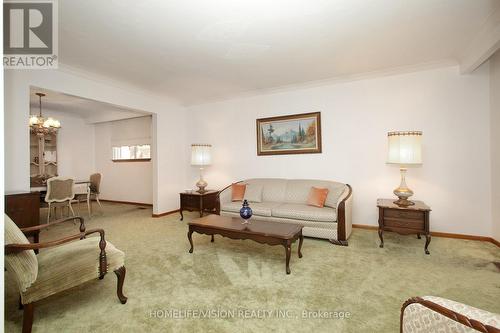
(284, 200)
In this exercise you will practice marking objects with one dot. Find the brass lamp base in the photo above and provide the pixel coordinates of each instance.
(404, 202)
(201, 184)
(403, 192)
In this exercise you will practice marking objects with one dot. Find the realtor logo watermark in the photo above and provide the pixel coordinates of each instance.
(30, 34)
(244, 313)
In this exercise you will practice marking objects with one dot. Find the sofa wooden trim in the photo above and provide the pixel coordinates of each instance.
(228, 186)
(218, 196)
(472, 323)
(341, 221)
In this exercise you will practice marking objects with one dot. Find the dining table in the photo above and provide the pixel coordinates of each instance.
(80, 187)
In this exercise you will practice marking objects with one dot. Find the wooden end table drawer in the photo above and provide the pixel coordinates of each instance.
(404, 220)
(202, 202)
(190, 201)
(410, 224)
(403, 214)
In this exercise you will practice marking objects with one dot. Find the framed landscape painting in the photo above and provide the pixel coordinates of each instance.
(293, 134)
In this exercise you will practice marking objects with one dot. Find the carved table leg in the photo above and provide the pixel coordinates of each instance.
(288, 250)
(418, 236)
(190, 237)
(212, 240)
(380, 235)
(427, 242)
(120, 274)
(301, 240)
(182, 216)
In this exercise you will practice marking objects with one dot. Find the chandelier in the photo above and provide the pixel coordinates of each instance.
(41, 126)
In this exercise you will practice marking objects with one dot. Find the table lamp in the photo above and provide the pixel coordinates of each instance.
(404, 149)
(200, 156)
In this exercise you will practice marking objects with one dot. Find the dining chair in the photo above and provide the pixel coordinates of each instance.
(95, 186)
(87, 192)
(82, 193)
(60, 192)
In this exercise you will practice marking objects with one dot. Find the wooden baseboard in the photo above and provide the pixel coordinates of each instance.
(126, 202)
(461, 236)
(364, 226)
(166, 213)
(141, 204)
(440, 234)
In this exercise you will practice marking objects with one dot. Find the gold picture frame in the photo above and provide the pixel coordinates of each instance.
(292, 134)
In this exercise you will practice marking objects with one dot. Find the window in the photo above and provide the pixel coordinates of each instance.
(132, 153)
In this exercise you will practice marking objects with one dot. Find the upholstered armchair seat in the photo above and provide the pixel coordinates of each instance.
(70, 265)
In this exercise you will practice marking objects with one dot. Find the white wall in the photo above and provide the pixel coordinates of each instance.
(168, 115)
(75, 145)
(124, 181)
(171, 151)
(451, 109)
(495, 143)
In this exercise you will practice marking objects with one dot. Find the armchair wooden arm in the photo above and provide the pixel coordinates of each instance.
(15, 248)
(464, 320)
(46, 225)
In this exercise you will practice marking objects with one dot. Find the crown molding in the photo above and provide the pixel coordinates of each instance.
(256, 92)
(128, 87)
(393, 71)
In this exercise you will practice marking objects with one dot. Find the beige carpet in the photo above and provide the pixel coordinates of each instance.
(229, 280)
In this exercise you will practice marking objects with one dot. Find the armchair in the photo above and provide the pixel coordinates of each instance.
(65, 263)
(436, 314)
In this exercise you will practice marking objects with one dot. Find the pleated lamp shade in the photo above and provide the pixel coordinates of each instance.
(200, 154)
(404, 148)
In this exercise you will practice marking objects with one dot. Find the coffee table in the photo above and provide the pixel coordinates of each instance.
(264, 232)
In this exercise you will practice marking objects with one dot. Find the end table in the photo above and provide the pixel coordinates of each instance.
(403, 220)
(202, 202)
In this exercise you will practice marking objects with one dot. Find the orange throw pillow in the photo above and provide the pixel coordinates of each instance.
(238, 191)
(317, 197)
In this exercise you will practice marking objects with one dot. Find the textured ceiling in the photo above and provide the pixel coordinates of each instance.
(197, 51)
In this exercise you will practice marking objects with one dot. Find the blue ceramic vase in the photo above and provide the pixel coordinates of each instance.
(245, 211)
